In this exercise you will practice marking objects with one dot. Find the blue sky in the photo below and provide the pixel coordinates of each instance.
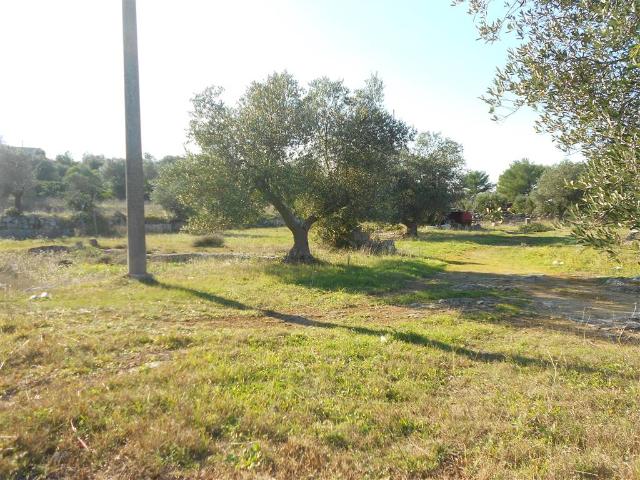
(64, 92)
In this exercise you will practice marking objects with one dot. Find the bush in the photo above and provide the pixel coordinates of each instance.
(91, 223)
(339, 236)
(340, 230)
(213, 240)
(534, 227)
(523, 204)
(12, 212)
(118, 218)
(167, 188)
(48, 189)
(389, 229)
(557, 190)
(379, 247)
(490, 201)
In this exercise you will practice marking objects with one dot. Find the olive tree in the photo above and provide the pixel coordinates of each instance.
(557, 190)
(170, 184)
(16, 174)
(308, 152)
(428, 180)
(113, 173)
(578, 65)
(84, 188)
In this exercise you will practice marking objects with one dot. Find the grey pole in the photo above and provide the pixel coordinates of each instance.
(136, 251)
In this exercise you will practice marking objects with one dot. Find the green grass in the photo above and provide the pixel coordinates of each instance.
(259, 241)
(256, 369)
(504, 251)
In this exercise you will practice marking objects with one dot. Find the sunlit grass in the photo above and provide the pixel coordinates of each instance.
(253, 368)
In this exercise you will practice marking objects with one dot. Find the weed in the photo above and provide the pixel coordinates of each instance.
(212, 240)
(535, 227)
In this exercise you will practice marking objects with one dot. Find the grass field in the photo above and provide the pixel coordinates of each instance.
(350, 368)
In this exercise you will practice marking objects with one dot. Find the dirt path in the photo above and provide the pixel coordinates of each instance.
(601, 302)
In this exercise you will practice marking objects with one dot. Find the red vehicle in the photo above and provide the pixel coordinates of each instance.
(460, 218)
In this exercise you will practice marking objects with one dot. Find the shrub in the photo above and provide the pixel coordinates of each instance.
(389, 229)
(534, 227)
(119, 218)
(523, 204)
(91, 223)
(12, 212)
(489, 201)
(213, 240)
(339, 236)
(379, 247)
(340, 230)
(557, 190)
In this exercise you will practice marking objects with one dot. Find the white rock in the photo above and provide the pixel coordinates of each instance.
(40, 296)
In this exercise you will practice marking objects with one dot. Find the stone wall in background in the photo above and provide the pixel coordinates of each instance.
(34, 226)
(168, 227)
(45, 226)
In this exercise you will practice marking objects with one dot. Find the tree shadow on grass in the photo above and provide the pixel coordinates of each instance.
(453, 262)
(519, 301)
(408, 337)
(385, 276)
(209, 297)
(496, 239)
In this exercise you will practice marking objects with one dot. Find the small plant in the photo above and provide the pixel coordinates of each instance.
(12, 212)
(494, 214)
(535, 227)
(212, 240)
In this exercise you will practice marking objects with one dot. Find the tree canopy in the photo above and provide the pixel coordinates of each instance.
(308, 152)
(84, 188)
(16, 174)
(519, 179)
(578, 64)
(428, 179)
(475, 182)
(557, 189)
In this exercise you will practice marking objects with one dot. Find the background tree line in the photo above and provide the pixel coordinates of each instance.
(577, 64)
(321, 155)
(27, 176)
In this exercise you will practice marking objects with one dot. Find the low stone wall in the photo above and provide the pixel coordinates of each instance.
(34, 226)
(37, 226)
(162, 227)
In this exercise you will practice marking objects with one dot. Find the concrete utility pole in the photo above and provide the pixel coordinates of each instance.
(136, 251)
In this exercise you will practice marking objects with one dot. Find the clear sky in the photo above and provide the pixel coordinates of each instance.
(61, 84)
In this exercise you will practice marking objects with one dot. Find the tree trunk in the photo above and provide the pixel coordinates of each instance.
(412, 229)
(17, 201)
(300, 252)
